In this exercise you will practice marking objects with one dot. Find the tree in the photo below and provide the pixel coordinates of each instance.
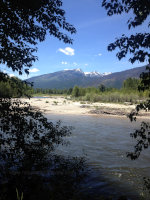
(27, 138)
(75, 91)
(102, 88)
(30, 137)
(69, 91)
(14, 87)
(131, 84)
(24, 23)
(138, 46)
(28, 164)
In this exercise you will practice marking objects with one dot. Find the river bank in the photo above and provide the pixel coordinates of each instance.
(61, 105)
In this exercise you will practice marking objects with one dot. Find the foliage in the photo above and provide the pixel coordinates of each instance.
(113, 97)
(143, 140)
(14, 87)
(24, 23)
(40, 91)
(131, 84)
(27, 161)
(26, 136)
(137, 45)
(145, 80)
(102, 88)
(129, 93)
(142, 135)
(75, 91)
(28, 167)
(61, 182)
(55, 103)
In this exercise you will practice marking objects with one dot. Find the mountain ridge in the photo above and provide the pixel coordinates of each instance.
(69, 78)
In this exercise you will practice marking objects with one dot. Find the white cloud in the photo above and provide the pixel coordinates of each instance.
(64, 63)
(33, 70)
(86, 64)
(67, 51)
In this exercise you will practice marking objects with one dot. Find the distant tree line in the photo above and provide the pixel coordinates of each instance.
(129, 92)
(14, 87)
(52, 91)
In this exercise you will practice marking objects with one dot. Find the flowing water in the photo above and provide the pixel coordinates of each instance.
(104, 143)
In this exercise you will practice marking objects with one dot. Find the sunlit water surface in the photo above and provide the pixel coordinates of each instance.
(104, 142)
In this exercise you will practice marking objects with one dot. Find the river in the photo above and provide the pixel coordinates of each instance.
(104, 141)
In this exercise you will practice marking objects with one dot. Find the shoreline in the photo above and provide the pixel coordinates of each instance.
(59, 105)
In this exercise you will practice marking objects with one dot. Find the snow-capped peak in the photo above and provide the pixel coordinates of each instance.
(91, 74)
(95, 73)
(79, 70)
(106, 73)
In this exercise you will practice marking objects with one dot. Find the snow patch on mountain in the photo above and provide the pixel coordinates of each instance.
(92, 74)
(106, 73)
(79, 70)
(98, 74)
(89, 74)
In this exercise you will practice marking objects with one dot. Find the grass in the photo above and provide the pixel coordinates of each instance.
(19, 197)
(55, 102)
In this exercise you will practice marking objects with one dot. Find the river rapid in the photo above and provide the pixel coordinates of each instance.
(104, 142)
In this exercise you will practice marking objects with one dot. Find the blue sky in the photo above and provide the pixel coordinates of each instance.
(95, 30)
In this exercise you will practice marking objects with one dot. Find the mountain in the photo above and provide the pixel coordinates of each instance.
(89, 74)
(69, 78)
